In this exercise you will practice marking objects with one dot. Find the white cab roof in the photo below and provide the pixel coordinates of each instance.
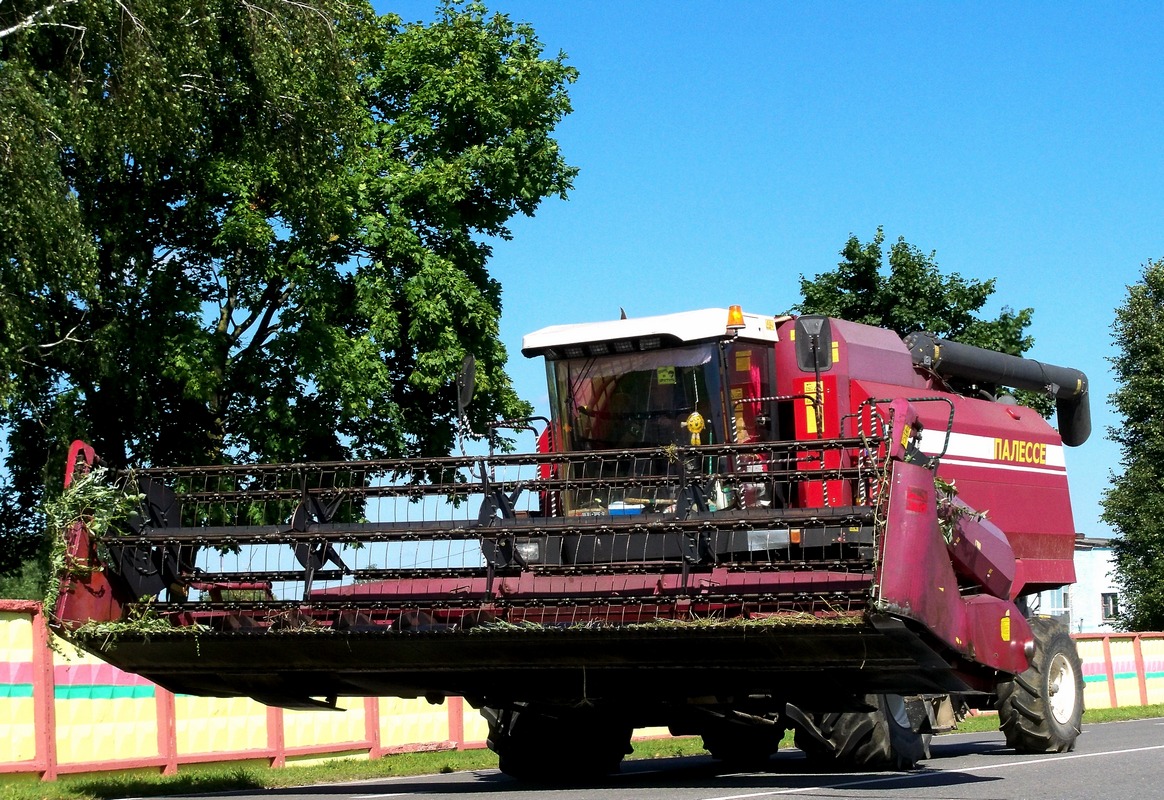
(685, 327)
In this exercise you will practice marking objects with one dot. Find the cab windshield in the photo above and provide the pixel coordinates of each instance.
(654, 399)
(641, 399)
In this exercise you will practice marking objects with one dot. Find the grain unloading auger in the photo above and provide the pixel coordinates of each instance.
(734, 524)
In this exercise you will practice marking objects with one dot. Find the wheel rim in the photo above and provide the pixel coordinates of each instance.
(1061, 689)
(895, 705)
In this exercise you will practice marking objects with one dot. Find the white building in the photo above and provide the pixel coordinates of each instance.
(1092, 602)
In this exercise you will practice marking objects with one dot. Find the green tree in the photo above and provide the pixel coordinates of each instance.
(913, 295)
(257, 230)
(1134, 504)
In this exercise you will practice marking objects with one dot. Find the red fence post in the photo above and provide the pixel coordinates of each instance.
(44, 692)
(372, 727)
(276, 742)
(167, 730)
(457, 722)
(1141, 671)
(1109, 669)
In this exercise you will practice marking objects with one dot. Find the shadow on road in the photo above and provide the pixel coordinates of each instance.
(788, 770)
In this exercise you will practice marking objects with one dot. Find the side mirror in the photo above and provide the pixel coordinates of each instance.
(814, 343)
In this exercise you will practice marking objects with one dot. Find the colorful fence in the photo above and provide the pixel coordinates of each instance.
(71, 713)
(68, 712)
(1122, 669)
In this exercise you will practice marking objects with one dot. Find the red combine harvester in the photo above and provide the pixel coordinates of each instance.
(734, 525)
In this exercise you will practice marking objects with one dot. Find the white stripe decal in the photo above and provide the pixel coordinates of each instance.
(959, 462)
(961, 444)
(969, 445)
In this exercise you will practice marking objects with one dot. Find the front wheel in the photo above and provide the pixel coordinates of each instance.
(1041, 710)
(883, 738)
(557, 746)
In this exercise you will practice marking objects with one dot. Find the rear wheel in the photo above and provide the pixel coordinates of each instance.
(558, 746)
(1041, 710)
(882, 738)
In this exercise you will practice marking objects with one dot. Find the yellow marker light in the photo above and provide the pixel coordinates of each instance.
(735, 318)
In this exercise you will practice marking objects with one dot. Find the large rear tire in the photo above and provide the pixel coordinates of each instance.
(883, 738)
(560, 747)
(1041, 710)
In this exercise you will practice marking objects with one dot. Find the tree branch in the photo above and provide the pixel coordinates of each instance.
(68, 337)
(273, 300)
(136, 22)
(227, 309)
(241, 327)
(305, 7)
(36, 18)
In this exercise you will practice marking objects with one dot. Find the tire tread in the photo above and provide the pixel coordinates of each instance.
(1024, 711)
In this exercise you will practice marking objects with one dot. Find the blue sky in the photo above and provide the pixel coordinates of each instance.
(727, 148)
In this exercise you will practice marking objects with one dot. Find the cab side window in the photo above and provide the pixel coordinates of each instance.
(749, 369)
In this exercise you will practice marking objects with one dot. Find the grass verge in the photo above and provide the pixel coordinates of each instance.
(221, 778)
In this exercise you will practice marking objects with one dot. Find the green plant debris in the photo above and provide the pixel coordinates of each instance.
(142, 622)
(950, 514)
(503, 626)
(94, 499)
(780, 620)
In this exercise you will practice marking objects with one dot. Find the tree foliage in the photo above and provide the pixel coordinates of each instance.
(914, 295)
(1134, 504)
(257, 230)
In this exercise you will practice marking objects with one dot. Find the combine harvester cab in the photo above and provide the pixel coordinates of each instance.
(735, 524)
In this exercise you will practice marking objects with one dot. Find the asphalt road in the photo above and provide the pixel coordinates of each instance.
(1113, 761)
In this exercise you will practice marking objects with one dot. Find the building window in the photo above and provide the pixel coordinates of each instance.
(1111, 606)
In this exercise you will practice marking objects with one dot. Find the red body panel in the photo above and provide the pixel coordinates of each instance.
(87, 595)
(980, 552)
(1004, 460)
(916, 580)
(1008, 462)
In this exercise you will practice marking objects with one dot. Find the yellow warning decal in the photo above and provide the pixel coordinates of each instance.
(1019, 451)
(1004, 628)
(810, 391)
